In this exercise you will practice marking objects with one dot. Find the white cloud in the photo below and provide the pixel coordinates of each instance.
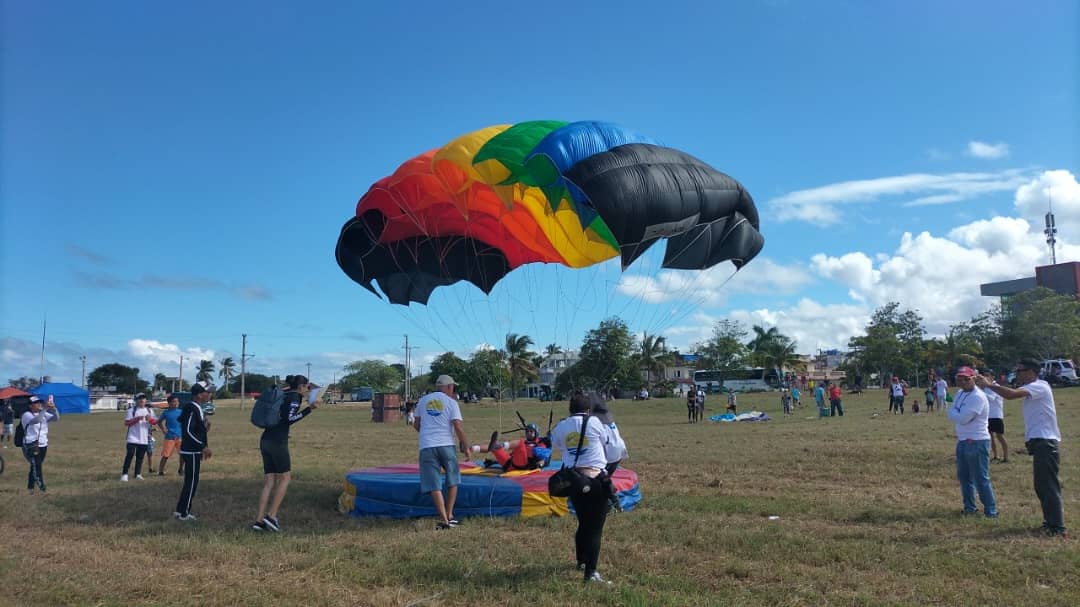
(820, 205)
(710, 287)
(981, 149)
(161, 356)
(1059, 188)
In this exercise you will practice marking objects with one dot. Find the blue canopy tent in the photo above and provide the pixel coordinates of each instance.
(69, 398)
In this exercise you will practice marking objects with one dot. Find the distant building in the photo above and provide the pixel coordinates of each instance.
(549, 371)
(1061, 278)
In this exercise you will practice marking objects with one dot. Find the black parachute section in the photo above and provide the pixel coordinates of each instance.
(646, 192)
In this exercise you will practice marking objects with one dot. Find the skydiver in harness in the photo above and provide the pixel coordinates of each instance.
(529, 453)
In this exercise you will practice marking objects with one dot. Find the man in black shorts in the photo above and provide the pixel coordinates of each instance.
(274, 446)
(691, 405)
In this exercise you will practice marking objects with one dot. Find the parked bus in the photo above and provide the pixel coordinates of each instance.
(363, 393)
(757, 379)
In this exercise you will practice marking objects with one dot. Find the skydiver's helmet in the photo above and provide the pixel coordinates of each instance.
(532, 431)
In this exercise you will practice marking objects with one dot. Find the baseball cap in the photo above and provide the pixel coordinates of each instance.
(139, 395)
(36, 399)
(201, 386)
(966, 372)
(445, 380)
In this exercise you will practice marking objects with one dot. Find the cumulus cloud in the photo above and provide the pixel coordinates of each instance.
(939, 276)
(1059, 188)
(712, 286)
(820, 205)
(981, 149)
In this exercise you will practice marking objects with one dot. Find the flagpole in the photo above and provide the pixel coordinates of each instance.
(41, 374)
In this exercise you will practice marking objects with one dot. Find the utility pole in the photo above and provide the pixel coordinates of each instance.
(83, 359)
(408, 367)
(180, 378)
(243, 369)
(308, 371)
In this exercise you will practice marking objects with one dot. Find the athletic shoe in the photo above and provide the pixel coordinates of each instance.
(123, 478)
(595, 578)
(440, 526)
(139, 477)
(271, 523)
(454, 522)
(259, 526)
(176, 515)
(186, 517)
(493, 442)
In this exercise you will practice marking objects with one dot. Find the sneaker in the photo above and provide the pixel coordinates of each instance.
(494, 442)
(139, 477)
(186, 517)
(271, 523)
(123, 478)
(596, 578)
(441, 525)
(455, 523)
(259, 526)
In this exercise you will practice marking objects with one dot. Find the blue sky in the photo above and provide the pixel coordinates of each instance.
(174, 176)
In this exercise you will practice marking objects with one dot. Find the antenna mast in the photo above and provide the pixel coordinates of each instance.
(1051, 228)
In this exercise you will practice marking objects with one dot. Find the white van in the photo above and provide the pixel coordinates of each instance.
(1059, 367)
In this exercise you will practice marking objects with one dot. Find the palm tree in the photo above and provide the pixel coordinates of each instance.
(552, 350)
(652, 355)
(762, 341)
(228, 370)
(206, 371)
(780, 355)
(160, 381)
(518, 361)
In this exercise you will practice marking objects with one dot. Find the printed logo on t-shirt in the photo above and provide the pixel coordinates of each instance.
(434, 408)
(571, 443)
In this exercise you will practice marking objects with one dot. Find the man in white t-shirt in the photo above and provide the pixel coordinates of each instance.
(699, 404)
(996, 423)
(969, 412)
(941, 387)
(1042, 437)
(438, 420)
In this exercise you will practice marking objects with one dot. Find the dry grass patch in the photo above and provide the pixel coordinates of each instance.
(867, 505)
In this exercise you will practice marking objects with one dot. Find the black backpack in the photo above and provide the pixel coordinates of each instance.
(267, 410)
(20, 435)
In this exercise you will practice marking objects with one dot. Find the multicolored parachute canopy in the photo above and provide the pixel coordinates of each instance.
(546, 191)
(394, 492)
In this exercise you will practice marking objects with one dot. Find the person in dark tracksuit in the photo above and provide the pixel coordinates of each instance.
(193, 447)
(274, 446)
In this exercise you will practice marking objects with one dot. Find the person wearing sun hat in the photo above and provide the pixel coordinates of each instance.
(193, 446)
(35, 422)
(970, 411)
(1042, 438)
(438, 419)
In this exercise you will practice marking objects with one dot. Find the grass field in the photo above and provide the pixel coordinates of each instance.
(868, 505)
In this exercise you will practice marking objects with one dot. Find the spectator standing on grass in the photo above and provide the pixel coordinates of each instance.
(929, 395)
(139, 420)
(8, 416)
(941, 389)
(169, 424)
(699, 405)
(732, 405)
(591, 503)
(438, 420)
(193, 447)
(274, 447)
(35, 422)
(970, 411)
(1042, 438)
(691, 406)
(896, 396)
(996, 423)
(796, 398)
(835, 396)
(785, 401)
(819, 397)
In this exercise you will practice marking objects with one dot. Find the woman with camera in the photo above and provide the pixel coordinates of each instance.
(35, 423)
(590, 501)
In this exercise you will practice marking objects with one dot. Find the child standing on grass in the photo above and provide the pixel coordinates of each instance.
(785, 401)
(929, 396)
